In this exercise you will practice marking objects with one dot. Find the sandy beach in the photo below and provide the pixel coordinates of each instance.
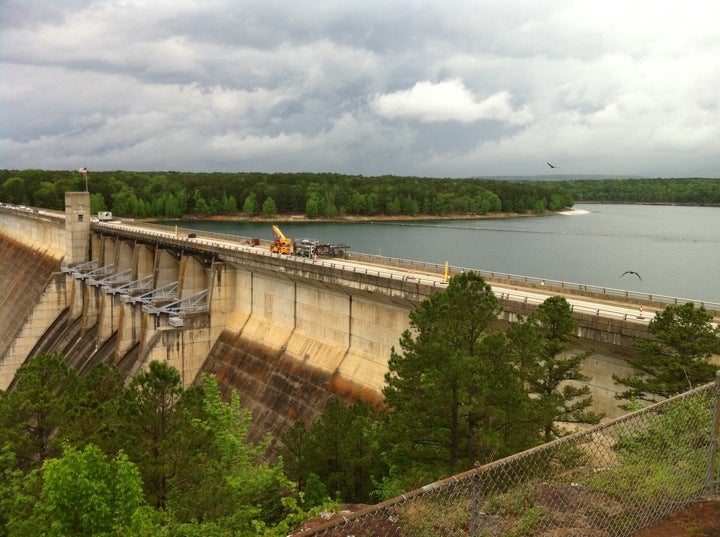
(573, 212)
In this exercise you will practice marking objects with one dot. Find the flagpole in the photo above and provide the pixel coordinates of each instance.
(83, 171)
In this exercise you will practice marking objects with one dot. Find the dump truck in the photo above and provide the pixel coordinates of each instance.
(281, 244)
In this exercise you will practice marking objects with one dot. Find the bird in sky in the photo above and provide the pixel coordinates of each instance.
(550, 165)
(631, 272)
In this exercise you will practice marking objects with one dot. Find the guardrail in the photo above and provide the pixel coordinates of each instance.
(542, 282)
(416, 267)
(32, 211)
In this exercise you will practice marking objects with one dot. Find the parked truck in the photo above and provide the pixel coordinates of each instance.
(306, 248)
(332, 250)
(313, 248)
(281, 244)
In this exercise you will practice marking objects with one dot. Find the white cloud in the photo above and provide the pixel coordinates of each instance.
(409, 88)
(449, 101)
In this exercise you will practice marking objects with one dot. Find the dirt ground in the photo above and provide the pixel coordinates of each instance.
(698, 520)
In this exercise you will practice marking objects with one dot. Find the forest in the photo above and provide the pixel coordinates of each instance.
(685, 191)
(95, 455)
(327, 195)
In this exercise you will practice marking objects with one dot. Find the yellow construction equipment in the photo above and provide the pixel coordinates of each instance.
(281, 244)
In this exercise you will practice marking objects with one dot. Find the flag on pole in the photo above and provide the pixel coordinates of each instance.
(83, 170)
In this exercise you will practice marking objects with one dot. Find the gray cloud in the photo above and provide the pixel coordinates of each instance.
(407, 88)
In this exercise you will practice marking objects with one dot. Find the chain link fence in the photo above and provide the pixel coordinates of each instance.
(608, 481)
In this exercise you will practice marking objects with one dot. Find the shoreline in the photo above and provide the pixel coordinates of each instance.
(288, 218)
(361, 219)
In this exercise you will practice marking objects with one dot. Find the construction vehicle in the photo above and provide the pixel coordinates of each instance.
(306, 248)
(313, 249)
(332, 250)
(281, 244)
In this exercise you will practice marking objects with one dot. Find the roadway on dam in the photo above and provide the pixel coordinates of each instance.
(592, 306)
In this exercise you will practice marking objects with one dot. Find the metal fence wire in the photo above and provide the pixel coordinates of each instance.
(608, 481)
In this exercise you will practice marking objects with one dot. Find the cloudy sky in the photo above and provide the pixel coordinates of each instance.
(430, 88)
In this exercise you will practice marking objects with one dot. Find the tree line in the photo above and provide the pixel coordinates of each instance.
(327, 195)
(90, 455)
(687, 191)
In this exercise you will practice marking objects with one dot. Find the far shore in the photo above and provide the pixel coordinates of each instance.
(285, 218)
(239, 217)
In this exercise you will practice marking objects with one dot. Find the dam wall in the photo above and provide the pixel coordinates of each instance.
(32, 292)
(291, 345)
(287, 334)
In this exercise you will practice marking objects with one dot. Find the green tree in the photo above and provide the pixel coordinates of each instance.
(250, 206)
(393, 206)
(229, 204)
(540, 348)
(235, 487)
(453, 396)
(47, 195)
(356, 203)
(97, 203)
(294, 453)
(201, 205)
(410, 206)
(36, 407)
(14, 191)
(19, 494)
(269, 208)
(676, 356)
(340, 448)
(125, 202)
(328, 207)
(312, 207)
(85, 494)
(95, 415)
(153, 419)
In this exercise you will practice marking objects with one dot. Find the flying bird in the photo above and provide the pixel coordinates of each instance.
(631, 272)
(550, 165)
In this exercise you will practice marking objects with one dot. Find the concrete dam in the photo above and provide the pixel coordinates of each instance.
(287, 334)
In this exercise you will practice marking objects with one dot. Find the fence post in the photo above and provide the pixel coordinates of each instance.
(712, 483)
(477, 499)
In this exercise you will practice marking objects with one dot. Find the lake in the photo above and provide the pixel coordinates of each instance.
(676, 250)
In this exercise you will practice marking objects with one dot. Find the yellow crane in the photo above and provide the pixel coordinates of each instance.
(281, 244)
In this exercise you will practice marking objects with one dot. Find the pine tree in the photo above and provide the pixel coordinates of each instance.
(676, 356)
(453, 397)
(540, 349)
(38, 405)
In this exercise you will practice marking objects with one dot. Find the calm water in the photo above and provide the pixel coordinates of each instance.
(675, 249)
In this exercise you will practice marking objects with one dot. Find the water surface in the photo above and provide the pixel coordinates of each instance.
(676, 250)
